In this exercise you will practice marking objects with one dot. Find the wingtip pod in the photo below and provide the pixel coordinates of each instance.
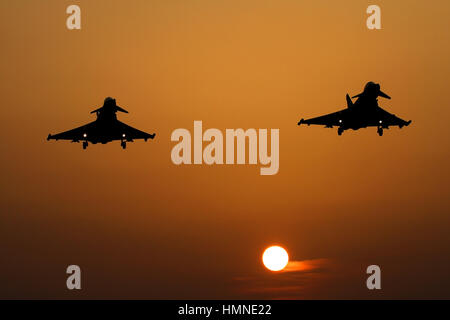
(407, 123)
(301, 121)
(151, 136)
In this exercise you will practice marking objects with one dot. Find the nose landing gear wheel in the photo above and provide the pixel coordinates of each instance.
(380, 131)
(123, 145)
(340, 130)
(85, 144)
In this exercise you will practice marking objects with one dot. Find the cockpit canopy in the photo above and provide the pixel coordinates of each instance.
(109, 101)
(372, 91)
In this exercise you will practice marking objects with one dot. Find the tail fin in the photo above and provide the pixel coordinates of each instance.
(349, 101)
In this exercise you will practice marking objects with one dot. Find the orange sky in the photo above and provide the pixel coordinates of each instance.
(141, 227)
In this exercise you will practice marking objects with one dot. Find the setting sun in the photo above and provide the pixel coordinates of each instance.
(275, 258)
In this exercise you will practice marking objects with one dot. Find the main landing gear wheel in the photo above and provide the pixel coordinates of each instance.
(340, 130)
(85, 144)
(123, 145)
(380, 131)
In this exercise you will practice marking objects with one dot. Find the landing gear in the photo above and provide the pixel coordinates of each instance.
(85, 144)
(123, 144)
(380, 131)
(340, 130)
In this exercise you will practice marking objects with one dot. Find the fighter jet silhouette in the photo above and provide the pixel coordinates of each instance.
(105, 129)
(365, 112)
